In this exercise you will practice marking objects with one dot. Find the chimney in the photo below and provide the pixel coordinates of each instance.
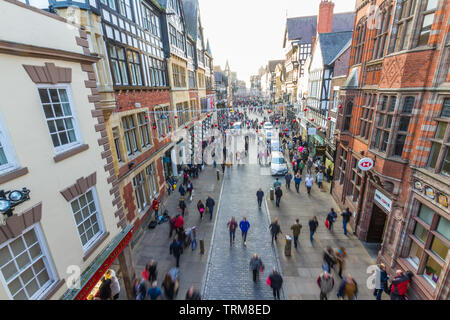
(325, 17)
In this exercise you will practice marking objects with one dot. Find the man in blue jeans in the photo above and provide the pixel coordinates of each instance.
(346, 215)
(244, 225)
(260, 196)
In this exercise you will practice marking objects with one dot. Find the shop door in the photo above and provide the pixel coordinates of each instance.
(377, 225)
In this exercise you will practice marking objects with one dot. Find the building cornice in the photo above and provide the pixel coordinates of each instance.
(26, 50)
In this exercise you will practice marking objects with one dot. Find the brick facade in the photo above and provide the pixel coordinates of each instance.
(407, 74)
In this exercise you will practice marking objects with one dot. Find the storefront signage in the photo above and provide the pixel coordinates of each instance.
(418, 186)
(384, 201)
(365, 164)
(443, 201)
(429, 193)
(99, 267)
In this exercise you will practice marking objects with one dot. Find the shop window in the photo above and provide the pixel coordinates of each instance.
(415, 254)
(421, 233)
(439, 248)
(426, 214)
(432, 271)
(443, 228)
(440, 142)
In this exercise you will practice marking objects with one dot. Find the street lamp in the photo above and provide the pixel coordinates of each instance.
(10, 199)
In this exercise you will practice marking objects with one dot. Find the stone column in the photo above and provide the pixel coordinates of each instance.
(128, 272)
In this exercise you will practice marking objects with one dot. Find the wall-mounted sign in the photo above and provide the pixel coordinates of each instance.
(365, 164)
(384, 201)
(312, 131)
(429, 192)
(418, 186)
(443, 201)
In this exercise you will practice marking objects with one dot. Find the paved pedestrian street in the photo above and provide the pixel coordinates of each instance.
(228, 273)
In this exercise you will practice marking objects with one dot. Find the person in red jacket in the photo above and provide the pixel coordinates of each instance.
(399, 285)
(155, 206)
(179, 222)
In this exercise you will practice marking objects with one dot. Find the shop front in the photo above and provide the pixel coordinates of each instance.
(425, 250)
(91, 279)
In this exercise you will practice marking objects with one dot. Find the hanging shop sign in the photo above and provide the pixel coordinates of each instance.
(365, 164)
(384, 201)
(98, 268)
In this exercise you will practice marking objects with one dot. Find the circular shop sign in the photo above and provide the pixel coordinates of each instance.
(365, 164)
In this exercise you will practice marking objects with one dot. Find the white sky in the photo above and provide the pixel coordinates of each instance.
(250, 32)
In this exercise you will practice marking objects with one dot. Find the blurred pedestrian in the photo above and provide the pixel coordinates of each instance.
(399, 285)
(276, 281)
(297, 181)
(210, 205)
(275, 229)
(256, 265)
(182, 205)
(288, 178)
(309, 183)
(325, 282)
(278, 195)
(346, 215)
(232, 226)
(192, 294)
(348, 288)
(155, 206)
(139, 289)
(381, 280)
(331, 218)
(154, 293)
(328, 259)
(176, 249)
(259, 197)
(296, 228)
(201, 208)
(340, 254)
(313, 224)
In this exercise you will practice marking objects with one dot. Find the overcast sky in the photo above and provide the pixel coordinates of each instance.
(250, 32)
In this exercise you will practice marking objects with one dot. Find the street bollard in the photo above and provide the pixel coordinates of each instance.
(287, 248)
(202, 246)
(218, 175)
(272, 194)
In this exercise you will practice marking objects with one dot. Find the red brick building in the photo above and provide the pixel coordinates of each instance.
(396, 110)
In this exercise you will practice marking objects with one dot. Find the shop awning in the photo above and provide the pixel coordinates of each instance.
(97, 269)
(319, 139)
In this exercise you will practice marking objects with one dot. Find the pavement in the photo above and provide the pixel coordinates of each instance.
(155, 243)
(301, 269)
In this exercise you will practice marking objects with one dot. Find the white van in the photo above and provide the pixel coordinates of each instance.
(268, 126)
(275, 145)
(278, 165)
(237, 126)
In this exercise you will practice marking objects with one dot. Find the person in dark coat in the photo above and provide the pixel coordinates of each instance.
(182, 190)
(313, 224)
(275, 229)
(288, 178)
(260, 196)
(210, 205)
(348, 288)
(182, 206)
(176, 249)
(346, 215)
(256, 265)
(169, 287)
(201, 208)
(332, 215)
(104, 292)
(276, 281)
(328, 260)
(278, 195)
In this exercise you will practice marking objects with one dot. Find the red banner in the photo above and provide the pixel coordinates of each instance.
(83, 294)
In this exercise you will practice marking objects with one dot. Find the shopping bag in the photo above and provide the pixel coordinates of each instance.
(268, 281)
(327, 224)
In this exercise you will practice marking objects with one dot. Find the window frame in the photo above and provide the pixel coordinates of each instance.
(8, 150)
(48, 262)
(444, 143)
(380, 39)
(400, 39)
(79, 141)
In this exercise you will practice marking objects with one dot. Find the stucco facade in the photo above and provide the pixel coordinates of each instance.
(61, 176)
